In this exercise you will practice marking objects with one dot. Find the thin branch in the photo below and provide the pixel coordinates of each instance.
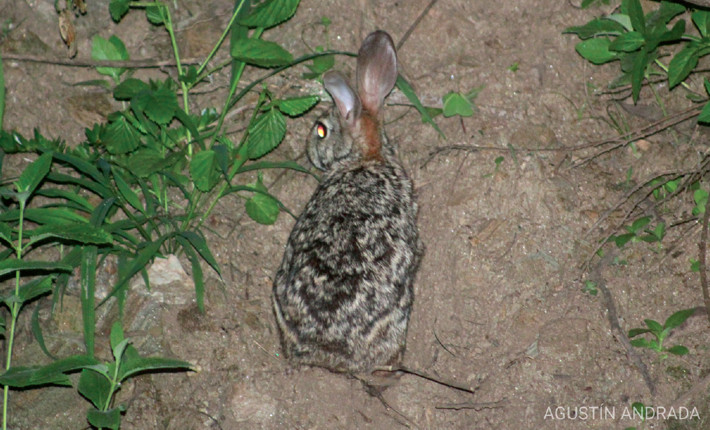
(415, 24)
(129, 64)
(474, 406)
(701, 258)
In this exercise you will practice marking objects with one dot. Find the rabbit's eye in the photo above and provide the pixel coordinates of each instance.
(321, 130)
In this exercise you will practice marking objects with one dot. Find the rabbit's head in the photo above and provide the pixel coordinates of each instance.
(351, 131)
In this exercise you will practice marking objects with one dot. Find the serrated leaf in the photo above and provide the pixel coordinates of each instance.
(262, 208)
(129, 88)
(678, 350)
(32, 175)
(110, 419)
(94, 386)
(118, 9)
(159, 105)
(111, 49)
(270, 13)
(204, 170)
(678, 318)
(265, 133)
(627, 42)
(457, 104)
(261, 53)
(297, 105)
(120, 137)
(12, 264)
(596, 50)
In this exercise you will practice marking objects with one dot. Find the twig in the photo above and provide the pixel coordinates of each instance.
(596, 277)
(130, 64)
(446, 383)
(474, 406)
(701, 258)
(415, 24)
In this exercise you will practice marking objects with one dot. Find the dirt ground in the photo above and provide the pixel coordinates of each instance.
(499, 303)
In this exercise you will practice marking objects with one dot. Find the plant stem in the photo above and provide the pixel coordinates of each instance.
(222, 37)
(14, 311)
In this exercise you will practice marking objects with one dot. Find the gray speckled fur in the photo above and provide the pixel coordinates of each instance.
(343, 293)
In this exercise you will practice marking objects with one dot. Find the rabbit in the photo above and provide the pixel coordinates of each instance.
(343, 294)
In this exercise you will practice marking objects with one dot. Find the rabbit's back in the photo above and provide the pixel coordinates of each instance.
(343, 293)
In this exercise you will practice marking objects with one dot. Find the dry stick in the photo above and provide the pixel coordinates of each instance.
(701, 258)
(133, 64)
(446, 383)
(415, 24)
(474, 406)
(596, 277)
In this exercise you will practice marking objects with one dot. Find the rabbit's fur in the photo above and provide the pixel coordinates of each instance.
(343, 293)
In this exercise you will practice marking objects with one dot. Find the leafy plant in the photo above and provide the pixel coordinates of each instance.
(637, 232)
(660, 333)
(590, 287)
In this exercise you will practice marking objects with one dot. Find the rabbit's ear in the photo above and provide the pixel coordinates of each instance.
(376, 70)
(344, 96)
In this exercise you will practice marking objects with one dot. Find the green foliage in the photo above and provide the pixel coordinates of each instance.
(590, 287)
(633, 38)
(638, 232)
(460, 104)
(660, 333)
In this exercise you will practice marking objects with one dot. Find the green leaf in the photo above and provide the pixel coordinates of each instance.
(701, 19)
(627, 42)
(120, 137)
(196, 272)
(118, 8)
(596, 50)
(597, 27)
(6, 233)
(95, 387)
(655, 326)
(260, 165)
(111, 49)
(129, 88)
(297, 105)
(32, 175)
(20, 377)
(622, 19)
(408, 91)
(682, 64)
(12, 264)
(126, 191)
(678, 350)
(637, 331)
(262, 208)
(65, 365)
(678, 318)
(664, 13)
(159, 105)
(204, 170)
(133, 364)
(704, 116)
(110, 419)
(641, 343)
(156, 14)
(200, 244)
(457, 104)
(261, 53)
(35, 288)
(115, 338)
(37, 332)
(270, 13)
(78, 232)
(633, 9)
(265, 133)
(67, 196)
(622, 239)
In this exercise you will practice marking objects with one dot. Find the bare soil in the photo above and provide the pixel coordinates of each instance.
(499, 303)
